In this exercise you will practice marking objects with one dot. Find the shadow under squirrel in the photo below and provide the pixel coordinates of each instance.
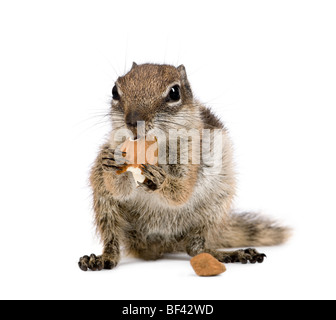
(179, 207)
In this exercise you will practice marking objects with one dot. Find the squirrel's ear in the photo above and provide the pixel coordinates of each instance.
(182, 70)
(134, 65)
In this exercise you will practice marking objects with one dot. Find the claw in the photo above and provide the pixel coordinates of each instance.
(146, 172)
(95, 263)
(154, 174)
(260, 258)
(82, 266)
(243, 256)
(84, 263)
(253, 259)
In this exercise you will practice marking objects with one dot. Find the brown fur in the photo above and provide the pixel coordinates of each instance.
(180, 208)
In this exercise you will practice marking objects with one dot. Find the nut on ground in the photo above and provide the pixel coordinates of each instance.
(205, 265)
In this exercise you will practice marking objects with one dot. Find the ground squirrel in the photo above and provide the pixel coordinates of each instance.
(181, 207)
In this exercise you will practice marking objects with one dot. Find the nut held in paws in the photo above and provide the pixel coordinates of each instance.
(140, 152)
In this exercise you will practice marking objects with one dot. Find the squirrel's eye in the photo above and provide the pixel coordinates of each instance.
(174, 93)
(115, 93)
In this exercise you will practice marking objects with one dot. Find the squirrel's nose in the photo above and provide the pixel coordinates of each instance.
(132, 124)
(132, 119)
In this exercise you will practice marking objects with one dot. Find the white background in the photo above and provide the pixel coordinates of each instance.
(267, 68)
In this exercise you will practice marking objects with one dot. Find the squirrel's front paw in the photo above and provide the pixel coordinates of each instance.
(155, 177)
(95, 263)
(110, 160)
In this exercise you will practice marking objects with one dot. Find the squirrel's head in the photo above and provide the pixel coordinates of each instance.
(157, 95)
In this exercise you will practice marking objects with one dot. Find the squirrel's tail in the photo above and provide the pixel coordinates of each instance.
(251, 230)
